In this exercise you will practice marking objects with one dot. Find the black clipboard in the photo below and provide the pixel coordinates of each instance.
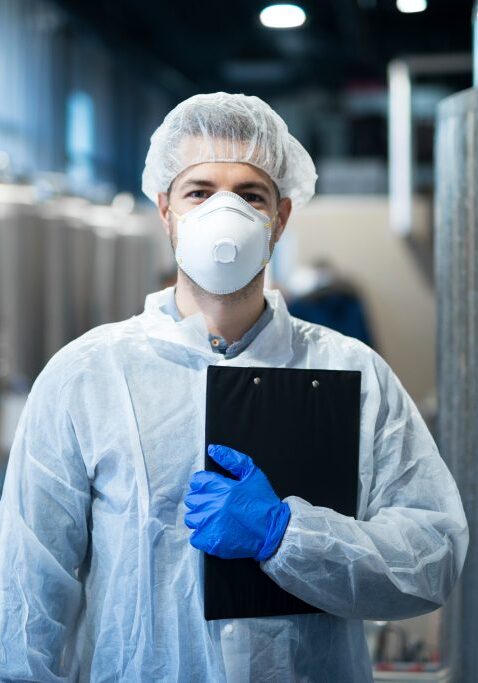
(301, 427)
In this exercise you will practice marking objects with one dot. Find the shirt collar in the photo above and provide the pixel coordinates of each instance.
(270, 347)
(218, 343)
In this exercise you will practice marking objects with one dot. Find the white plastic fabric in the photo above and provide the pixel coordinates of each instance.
(223, 242)
(98, 580)
(234, 128)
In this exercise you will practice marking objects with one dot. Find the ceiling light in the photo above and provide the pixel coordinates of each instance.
(410, 6)
(282, 16)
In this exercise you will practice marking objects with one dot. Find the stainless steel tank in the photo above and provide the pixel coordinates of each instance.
(67, 265)
(456, 239)
(22, 269)
(68, 257)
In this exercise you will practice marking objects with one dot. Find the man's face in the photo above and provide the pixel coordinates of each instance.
(197, 183)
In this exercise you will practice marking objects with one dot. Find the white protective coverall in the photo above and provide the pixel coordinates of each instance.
(98, 580)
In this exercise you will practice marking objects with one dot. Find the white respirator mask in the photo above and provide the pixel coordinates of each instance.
(223, 243)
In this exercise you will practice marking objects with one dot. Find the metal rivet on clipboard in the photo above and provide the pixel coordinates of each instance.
(257, 380)
(315, 383)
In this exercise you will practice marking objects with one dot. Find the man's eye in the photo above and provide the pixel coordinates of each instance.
(252, 198)
(198, 194)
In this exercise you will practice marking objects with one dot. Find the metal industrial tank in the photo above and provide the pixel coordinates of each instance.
(456, 242)
(67, 265)
(69, 255)
(135, 265)
(131, 252)
(22, 269)
(101, 263)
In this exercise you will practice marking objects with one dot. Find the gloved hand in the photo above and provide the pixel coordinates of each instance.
(235, 518)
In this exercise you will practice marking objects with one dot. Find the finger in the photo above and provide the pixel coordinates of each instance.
(188, 522)
(199, 478)
(209, 481)
(195, 519)
(201, 542)
(205, 508)
(189, 503)
(239, 464)
(195, 500)
(197, 541)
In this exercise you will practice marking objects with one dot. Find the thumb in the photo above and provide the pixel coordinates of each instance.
(239, 464)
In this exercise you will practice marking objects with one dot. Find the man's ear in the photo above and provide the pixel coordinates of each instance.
(163, 210)
(283, 210)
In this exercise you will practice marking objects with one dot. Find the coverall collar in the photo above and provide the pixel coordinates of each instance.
(271, 347)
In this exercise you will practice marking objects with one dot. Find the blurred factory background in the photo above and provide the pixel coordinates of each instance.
(84, 84)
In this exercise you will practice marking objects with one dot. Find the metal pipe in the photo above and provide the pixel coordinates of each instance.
(400, 147)
(400, 131)
(456, 232)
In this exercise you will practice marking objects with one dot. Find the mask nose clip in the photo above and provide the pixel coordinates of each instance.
(224, 251)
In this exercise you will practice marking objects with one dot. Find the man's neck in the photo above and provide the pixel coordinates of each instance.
(229, 316)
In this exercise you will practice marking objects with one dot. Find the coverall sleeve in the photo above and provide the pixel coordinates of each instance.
(44, 513)
(404, 555)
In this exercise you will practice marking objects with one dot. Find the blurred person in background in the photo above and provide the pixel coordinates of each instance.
(319, 294)
(105, 510)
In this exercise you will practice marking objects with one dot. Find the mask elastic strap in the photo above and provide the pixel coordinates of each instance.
(176, 215)
(270, 223)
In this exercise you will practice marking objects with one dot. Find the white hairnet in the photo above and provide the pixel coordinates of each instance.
(224, 127)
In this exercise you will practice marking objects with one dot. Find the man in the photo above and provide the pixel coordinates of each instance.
(103, 518)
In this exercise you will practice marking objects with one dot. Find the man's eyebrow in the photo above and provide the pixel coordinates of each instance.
(254, 185)
(248, 185)
(197, 182)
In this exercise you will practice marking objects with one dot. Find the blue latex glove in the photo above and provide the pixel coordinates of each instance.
(235, 518)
